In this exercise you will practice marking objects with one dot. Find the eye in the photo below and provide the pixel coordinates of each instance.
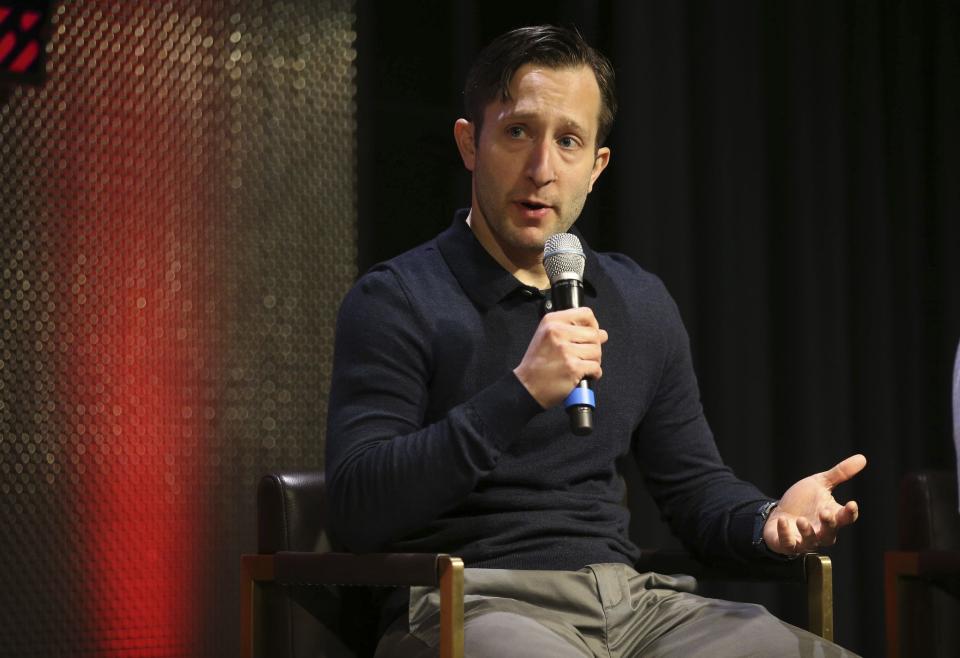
(516, 132)
(568, 142)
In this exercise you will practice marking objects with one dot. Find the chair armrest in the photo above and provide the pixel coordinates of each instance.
(347, 569)
(926, 564)
(813, 570)
(934, 566)
(350, 569)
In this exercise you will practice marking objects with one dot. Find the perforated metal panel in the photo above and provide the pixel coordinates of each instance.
(177, 225)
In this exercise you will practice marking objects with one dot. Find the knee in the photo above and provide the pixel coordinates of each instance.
(766, 635)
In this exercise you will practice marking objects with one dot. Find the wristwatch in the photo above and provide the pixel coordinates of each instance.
(763, 513)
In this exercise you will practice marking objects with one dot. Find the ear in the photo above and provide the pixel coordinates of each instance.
(599, 164)
(463, 135)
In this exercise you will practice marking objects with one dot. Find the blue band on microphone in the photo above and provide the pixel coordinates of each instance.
(581, 396)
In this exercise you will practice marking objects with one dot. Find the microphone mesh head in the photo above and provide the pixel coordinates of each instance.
(563, 254)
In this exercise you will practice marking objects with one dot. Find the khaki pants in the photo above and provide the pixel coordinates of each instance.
(606, 610)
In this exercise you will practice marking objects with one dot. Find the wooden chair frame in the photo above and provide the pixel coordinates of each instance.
(296, 568)
(446, 572)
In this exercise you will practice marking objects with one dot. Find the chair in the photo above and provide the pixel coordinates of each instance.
(300, 599)
(297, 600)
(922, 578)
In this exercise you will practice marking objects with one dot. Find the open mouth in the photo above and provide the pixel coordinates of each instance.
(533, 206)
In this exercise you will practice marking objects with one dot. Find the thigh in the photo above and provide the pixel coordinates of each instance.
(487, 634)
(711, 627)
(516, 613)
(652, 620)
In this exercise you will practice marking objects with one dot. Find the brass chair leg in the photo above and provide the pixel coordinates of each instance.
(819, 573)
(451, 607)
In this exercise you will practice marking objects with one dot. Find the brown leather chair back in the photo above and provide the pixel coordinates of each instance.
(928, 512)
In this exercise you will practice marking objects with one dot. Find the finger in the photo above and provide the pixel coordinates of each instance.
(581, 316)
(567, 337)
(588, 351)
(827, 535)
(595, 373)
(564, 332)
(845, 470)
(579, 334)
(848, 514)
(584, 361)
(828, 518)
(587, 370)
(807, 533)
(786, 535)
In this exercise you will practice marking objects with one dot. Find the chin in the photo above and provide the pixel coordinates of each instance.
(531, 240)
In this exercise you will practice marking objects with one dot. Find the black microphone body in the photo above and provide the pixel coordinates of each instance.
(567, 292)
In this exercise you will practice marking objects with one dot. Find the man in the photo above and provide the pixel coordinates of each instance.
(446, 432)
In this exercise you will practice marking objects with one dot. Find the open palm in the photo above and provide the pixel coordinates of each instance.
(808, 516)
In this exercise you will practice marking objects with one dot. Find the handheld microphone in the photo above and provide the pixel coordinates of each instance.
(564, 260)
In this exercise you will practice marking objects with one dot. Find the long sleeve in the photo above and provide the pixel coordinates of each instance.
(390, 474)
(707, 506)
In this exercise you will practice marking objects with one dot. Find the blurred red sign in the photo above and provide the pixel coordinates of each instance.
(22, 35)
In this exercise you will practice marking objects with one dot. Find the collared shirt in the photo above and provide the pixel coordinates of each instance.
(433, 444)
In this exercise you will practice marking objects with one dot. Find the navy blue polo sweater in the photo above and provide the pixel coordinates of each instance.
(433, 444)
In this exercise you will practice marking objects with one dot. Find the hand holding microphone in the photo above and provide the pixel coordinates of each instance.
(565, 353)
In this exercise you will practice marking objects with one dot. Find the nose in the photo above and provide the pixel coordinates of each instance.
(540, 166)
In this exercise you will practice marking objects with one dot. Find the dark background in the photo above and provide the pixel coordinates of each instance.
(790, 170)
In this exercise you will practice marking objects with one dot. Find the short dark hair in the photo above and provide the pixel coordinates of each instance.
(548, 45)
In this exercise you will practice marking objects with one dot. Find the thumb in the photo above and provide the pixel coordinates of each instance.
(844, 470)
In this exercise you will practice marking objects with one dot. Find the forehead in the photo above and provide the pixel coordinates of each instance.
(568, 94)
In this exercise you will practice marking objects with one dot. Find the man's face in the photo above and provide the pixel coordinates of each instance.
(536, 159)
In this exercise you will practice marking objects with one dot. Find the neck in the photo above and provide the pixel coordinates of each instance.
(526, 268)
